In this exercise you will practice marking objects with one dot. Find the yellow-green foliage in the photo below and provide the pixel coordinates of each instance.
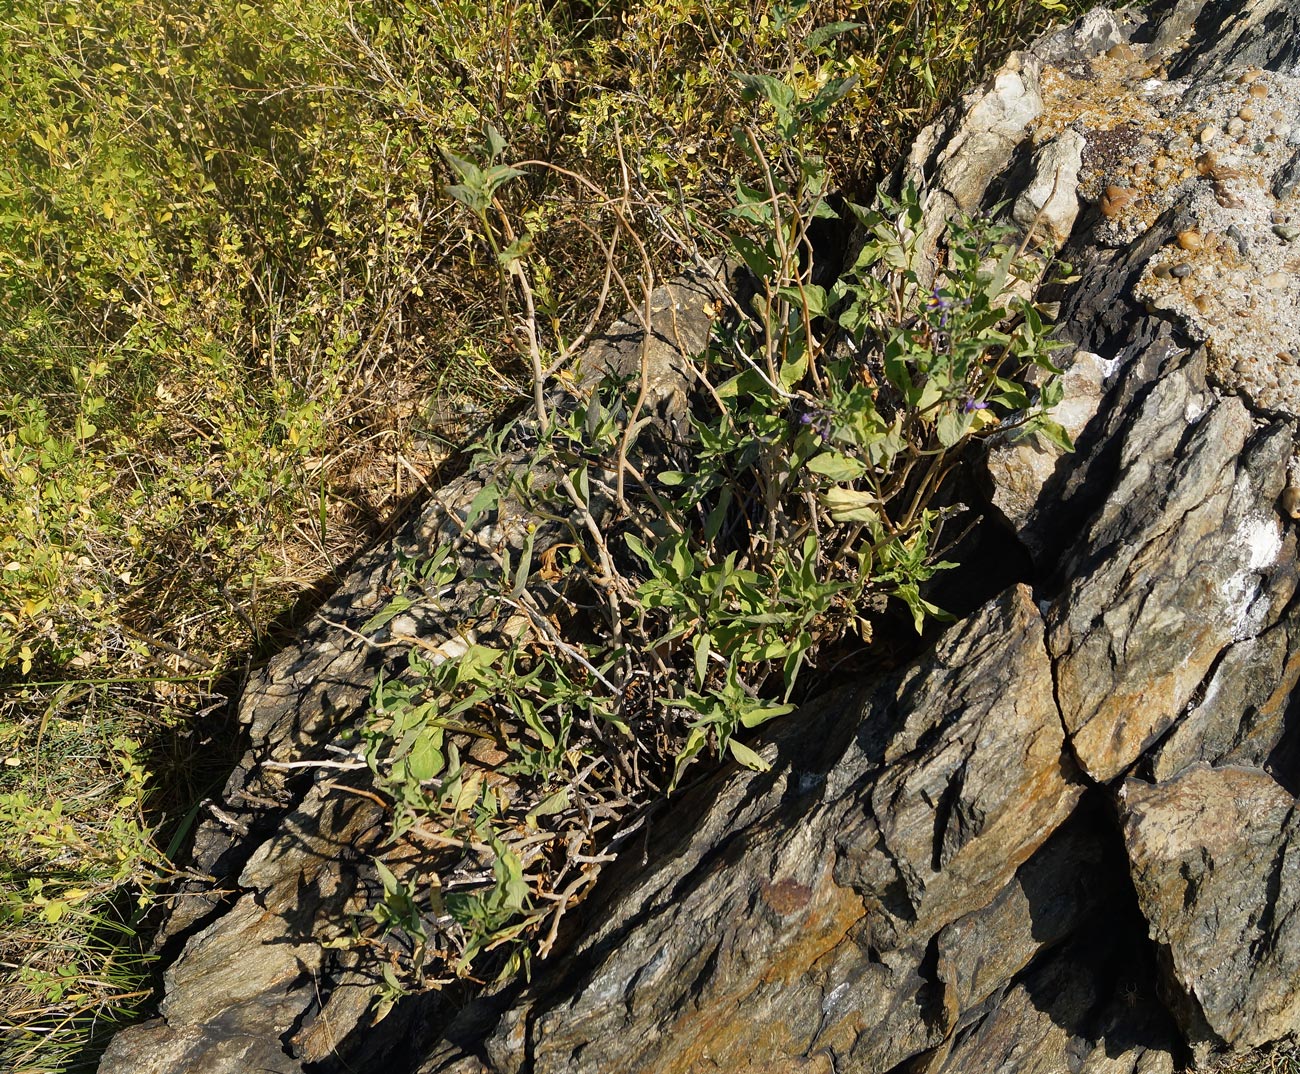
(237, 308)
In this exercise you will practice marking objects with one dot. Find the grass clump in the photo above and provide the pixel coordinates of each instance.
(240, 316)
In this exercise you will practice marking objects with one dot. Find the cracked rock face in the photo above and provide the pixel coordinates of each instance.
(1064, 839)
(1216, 864)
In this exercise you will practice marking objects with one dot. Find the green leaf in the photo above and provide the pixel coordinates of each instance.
(777, 93)
(425, 760)
(638, 549)
(484, 501)
(385, 615)
(850, 505)
(525, 567)
(762, 712)
(467, 170)
(695, 742)
(467, 196)
(496, 177)
(749, 758)
(811, 295)
(1051, 393)
(794, 370)
(952, 426)
(515, 252)
(1049, 430)
(831, 93)
(496, 144)
(703, 645)
(582, 483)
(997, 282)
(510, 878)
(836, 466)
(822, 34)
(387, 879)
(759, 259)
(681, 561)
(552, 803)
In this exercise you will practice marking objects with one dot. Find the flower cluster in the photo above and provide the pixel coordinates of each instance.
(816, 419)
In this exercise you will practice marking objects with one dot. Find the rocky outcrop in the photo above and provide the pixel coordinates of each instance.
(1065, 838)
(266, 980)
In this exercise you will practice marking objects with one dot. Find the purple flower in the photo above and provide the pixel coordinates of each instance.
(814, 418)
(968, 404)
(937, 301)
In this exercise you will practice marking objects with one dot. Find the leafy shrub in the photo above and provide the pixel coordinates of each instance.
(645, 619)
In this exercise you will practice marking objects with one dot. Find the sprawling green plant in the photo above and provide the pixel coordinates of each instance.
(646, 618)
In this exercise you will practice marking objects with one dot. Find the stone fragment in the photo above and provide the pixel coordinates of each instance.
(1114, 199)
(1045, 904)
(1050, 201)
(1216, 865)
(993, 125)
(1034, 1027)
(1136, 631)
(1019, 469)
(1240, 717)
(985, 788)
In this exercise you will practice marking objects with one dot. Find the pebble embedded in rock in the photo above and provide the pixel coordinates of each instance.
(1190, 240)
(1181, 271)
(1291, 501)
(1114, 200)
(1287, 178)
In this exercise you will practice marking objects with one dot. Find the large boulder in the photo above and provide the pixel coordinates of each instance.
(1065, 838)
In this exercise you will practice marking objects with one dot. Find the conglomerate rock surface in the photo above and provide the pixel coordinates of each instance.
(1065, 839)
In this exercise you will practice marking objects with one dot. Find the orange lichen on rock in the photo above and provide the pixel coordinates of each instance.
(1226, 164)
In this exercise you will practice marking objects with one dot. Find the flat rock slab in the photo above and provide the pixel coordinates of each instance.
(1176, 568)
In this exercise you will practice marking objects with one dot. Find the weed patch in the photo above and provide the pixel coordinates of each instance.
(241, 320)
(648, 614)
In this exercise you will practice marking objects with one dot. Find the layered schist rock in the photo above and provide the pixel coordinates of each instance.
(1064, 839)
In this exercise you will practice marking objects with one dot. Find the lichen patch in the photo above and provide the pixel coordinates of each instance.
(1226, 157)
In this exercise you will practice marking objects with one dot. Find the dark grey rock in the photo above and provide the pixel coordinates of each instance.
(1216, 865)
